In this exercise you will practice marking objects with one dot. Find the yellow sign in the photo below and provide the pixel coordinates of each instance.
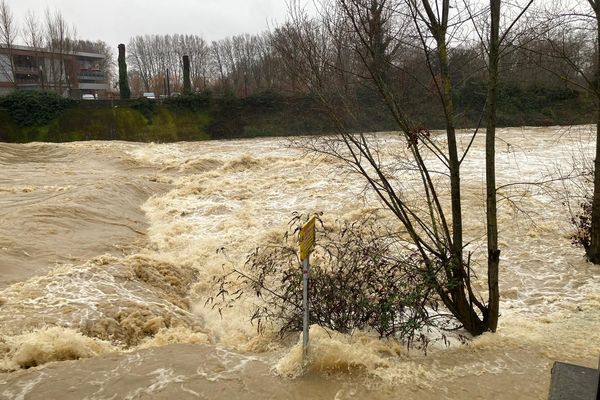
(307, 238)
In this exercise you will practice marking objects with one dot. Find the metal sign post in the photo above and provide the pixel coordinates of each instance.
(307, 242)
(305, 271)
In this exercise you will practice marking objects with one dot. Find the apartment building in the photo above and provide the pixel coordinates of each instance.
(71, 74)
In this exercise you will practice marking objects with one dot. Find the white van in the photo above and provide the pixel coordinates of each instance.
(150, 95)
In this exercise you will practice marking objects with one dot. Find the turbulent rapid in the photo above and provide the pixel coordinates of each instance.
(109, 251)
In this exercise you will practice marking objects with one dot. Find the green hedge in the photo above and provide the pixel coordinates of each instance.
(35, 116)
(190, 102)
(28, 108)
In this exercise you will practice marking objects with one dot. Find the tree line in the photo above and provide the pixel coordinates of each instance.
(537, 86)
(241, 65)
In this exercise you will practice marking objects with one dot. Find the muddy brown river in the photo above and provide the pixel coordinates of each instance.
(108, 251)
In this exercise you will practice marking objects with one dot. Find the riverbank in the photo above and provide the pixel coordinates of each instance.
(204, 116)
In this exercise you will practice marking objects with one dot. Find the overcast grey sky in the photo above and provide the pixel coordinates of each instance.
(115, 21)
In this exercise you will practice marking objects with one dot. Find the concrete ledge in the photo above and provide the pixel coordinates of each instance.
(573, 382)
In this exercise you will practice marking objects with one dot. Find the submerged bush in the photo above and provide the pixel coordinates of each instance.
(359, 279)
(582, 219)
(582, 222)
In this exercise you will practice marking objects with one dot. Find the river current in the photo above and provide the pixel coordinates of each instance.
(108, 252)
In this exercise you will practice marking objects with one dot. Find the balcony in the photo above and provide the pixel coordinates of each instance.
(27, 79)
(91, 76)
(27, 70)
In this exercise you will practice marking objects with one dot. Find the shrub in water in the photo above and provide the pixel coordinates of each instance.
(582, 219)
(582, 222)
(359, 279)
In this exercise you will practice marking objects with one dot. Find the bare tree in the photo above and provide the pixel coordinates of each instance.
(490, 165)
(433, 25)
(34, 38)
(218, 62)
(374, 27)
(593, 252)
(493, 46)
(139, 60)
(571, 35)
(8, 36)
(60, 40)
(368, 44)
(242, 64)
(155, 57)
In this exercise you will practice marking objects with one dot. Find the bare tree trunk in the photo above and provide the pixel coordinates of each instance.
(187, 83)
(460, 299)
(51, 44)
(490, 168)
(457, 229)
(313, 57)
(33, 36)
(218, 59)
(124, 91)
(593, 253)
